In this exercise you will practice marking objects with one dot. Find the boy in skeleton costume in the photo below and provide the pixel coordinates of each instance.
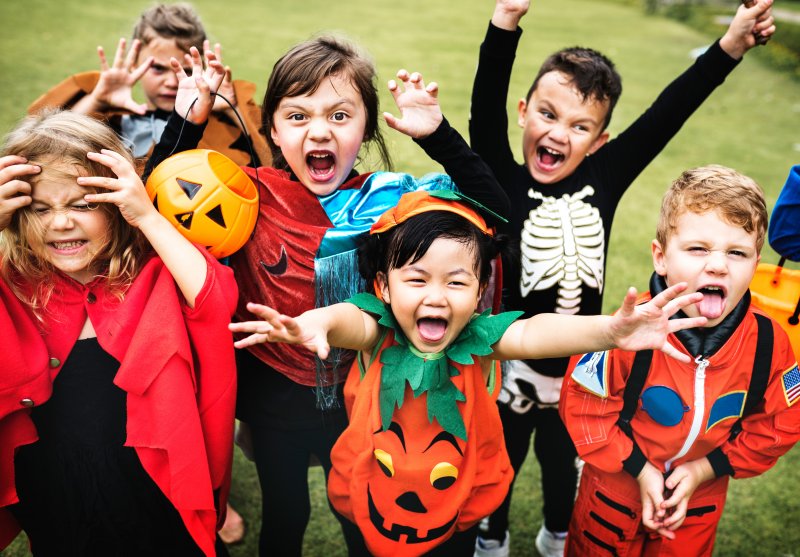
(563, 200)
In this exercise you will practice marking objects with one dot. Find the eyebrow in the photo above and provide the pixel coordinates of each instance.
(395, 428)
(331, 106)
(447, 437)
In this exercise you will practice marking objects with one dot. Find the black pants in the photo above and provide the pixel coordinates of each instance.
(556, 455)
(282, 463)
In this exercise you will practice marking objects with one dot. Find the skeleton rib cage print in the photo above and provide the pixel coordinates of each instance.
(563, 244)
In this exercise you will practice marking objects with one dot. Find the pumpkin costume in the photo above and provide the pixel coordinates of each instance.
(423, 455)
(409, 481)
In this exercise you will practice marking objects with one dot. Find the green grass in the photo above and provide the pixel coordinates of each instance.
(749, 124)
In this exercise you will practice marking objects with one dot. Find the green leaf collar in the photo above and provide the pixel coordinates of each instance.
(431, 373)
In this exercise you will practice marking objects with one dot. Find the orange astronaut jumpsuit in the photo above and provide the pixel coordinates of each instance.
(684, 412)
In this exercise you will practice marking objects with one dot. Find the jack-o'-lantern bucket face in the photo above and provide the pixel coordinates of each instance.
(415, 486)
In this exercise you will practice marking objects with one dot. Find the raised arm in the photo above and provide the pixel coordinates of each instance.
(193, 104)
(186, 264)
(488, 124)
(633, 327)
(342, 325)
(422, 119)
(628, 154)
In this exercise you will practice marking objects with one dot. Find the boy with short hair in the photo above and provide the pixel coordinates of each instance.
(563, 200)
(660, 438)
(162, 32)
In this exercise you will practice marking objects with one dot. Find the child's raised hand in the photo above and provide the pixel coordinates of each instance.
(276, 327)
(125, 191)
(199, 85)
(749, 26)
(507, 13)
(651, 489)
(646, 326)
(115, 86)
(14, 193)
(420, 113)
(226, 87)
(680, 485)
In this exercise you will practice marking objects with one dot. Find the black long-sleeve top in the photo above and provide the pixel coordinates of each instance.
(564, 227)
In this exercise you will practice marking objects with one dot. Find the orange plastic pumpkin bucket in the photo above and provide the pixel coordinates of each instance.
(776, 291)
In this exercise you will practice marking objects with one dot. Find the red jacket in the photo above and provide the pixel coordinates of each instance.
(177, 368)
(687, 413)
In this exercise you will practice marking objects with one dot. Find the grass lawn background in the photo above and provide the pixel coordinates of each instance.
(750, 124)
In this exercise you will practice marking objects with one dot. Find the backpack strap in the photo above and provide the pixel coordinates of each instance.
(633, 389)
(759, 378)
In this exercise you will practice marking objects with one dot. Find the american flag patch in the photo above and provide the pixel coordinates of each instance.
(791, 385)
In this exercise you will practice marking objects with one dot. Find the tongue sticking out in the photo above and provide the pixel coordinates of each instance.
(432, 330)
(712, 304)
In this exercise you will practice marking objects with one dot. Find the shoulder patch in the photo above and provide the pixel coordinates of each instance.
(591, 373)
(729, 405)
(790, 380)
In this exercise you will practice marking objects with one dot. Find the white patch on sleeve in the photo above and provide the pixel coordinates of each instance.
(591, 373)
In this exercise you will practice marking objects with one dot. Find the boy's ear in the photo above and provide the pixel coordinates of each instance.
(274, 136)
(383, 287)
(659, 263)
(522, 109)
(599, 142)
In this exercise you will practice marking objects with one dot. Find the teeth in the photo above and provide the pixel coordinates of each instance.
(67, 245)
(318, 156)
(552, 152)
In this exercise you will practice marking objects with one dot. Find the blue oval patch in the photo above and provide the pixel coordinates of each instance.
(663, 405)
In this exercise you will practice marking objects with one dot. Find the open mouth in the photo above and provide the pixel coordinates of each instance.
(713, 303)
(321, 165)
(549, 158)
(412, 534)
(431, 329)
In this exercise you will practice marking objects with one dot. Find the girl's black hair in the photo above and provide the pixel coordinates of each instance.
(409, 241)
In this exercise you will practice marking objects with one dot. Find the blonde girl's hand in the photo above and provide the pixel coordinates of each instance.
(647, 326)
(14, 192)
(126, 191)
(115, 86)
(226, 87)
(420, 113)
(205, 79)
(276, 327)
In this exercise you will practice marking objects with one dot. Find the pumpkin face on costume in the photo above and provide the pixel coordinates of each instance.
(207, 197)
(416, 467)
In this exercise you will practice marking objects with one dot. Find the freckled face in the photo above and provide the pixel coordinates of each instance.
(713, 257)
(434, 298)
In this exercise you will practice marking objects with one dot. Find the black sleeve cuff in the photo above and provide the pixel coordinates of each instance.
(720, 463)
(438, 137)
(635, 462)
(502, 39)
(716, 63)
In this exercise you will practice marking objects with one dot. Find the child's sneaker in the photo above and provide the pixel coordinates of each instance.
(550, 544)
(486, 547)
